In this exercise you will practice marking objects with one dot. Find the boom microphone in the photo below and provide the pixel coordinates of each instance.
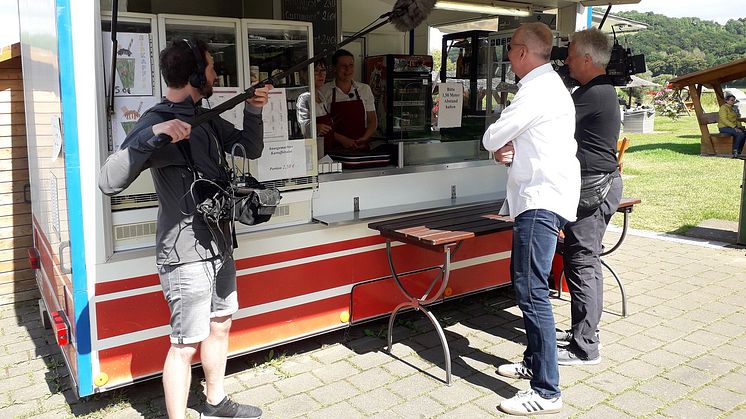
(406, 15)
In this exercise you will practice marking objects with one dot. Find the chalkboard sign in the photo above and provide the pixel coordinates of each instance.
(323, 15)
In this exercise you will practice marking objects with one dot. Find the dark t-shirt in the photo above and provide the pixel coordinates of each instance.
(597, 123)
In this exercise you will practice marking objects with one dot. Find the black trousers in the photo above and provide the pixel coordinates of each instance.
(583, 270)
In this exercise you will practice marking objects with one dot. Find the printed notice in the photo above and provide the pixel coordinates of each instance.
(220, 95)
(275, 116)
(282, 160)
(127, 111)
(451, 104)
(133, 72)
(56, 136)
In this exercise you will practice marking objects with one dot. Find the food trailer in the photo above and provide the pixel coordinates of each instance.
(315, 267)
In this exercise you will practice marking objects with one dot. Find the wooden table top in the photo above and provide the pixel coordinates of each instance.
(445, 227)
(626, 204)
(450, 226)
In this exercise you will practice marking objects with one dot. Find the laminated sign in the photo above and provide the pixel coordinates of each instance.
(451, 103)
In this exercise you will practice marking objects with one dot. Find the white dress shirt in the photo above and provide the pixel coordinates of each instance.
(545, 174)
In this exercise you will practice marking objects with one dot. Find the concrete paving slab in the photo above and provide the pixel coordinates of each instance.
(681, 352)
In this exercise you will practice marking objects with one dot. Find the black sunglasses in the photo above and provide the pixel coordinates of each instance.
(509, 46)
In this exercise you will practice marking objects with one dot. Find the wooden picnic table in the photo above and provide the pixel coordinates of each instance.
(443, 232)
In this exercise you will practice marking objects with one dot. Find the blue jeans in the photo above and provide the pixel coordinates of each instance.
(739, 137)
(534, 242)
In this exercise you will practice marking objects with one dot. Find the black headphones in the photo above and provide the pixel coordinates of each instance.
(197, 79)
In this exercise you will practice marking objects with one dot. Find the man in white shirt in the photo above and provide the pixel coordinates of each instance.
(535, 135)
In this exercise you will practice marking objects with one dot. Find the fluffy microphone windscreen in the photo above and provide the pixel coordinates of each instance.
(408, 14)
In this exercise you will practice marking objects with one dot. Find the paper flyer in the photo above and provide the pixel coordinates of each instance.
(275, 116)
(282, 160)
(127, 111)
(451, 104)
(220, 95)
(133, 75)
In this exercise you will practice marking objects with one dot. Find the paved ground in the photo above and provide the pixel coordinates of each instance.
(680, 353)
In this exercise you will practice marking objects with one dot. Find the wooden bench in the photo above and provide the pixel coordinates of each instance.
(442, 232)
(716, 144)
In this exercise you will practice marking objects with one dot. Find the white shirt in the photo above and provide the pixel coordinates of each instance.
(304, 111)
(545, 174)
(366, 95)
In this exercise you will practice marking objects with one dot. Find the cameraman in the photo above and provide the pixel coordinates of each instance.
(194, 256)
(597, 126)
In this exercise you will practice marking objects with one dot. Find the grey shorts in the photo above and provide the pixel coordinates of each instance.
(197, 292)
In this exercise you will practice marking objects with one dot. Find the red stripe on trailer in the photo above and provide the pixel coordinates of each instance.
(279, 284)
(270, 329)
(117, 317)
(144, 358)
(138, 359)
(126, 284)
(111, 287)
(131, 314)
(255, 261)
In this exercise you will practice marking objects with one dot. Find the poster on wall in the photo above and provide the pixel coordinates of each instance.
(220, 95)
(127, 111)
(450, 104)
(275, 116)
(283, 160)
(133, 75)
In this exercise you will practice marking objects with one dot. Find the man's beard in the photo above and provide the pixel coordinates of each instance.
(206, 90)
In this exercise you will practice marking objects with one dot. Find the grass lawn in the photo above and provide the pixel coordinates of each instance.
(678, 187)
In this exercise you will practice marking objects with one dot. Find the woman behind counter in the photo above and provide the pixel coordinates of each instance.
(728, 123)
(323, 121)
(351, 106)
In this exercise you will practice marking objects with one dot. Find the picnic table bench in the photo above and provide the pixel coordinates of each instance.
(444, 232)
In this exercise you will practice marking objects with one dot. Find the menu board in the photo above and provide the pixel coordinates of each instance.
(323, 15)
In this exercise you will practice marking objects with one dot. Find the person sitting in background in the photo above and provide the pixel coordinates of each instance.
(351, 106)
(323, 121)
(728, 123)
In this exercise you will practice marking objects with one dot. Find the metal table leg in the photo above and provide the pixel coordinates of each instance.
(419, 303)
(621, 287)
(613, 273)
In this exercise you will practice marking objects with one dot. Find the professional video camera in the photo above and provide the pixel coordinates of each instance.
(621, 65)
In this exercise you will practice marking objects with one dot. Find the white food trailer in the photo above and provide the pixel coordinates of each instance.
(315, 267)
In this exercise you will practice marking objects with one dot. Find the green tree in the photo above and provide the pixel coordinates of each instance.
(678, 46)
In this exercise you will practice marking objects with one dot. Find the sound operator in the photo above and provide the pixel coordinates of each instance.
(351, 106)
(194, 256)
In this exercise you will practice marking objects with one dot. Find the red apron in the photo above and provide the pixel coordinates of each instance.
(349, 120)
